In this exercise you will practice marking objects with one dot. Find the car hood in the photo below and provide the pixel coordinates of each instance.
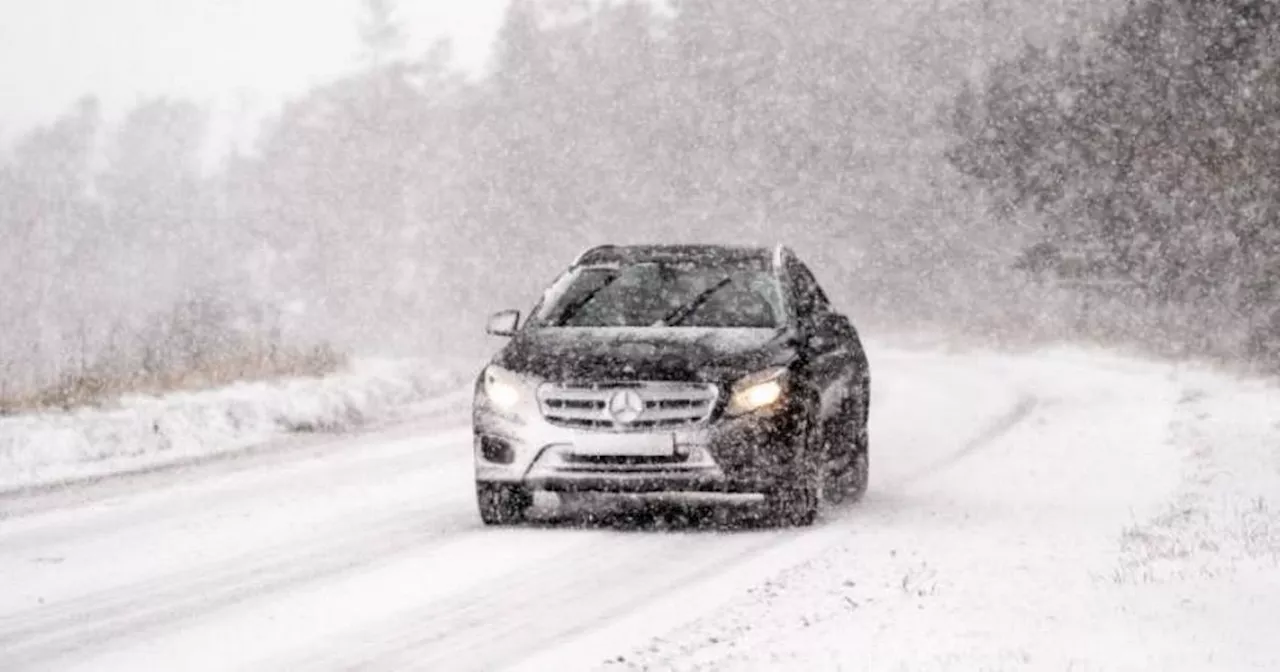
(659, 353)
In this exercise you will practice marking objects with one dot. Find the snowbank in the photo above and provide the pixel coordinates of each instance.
(144, 432)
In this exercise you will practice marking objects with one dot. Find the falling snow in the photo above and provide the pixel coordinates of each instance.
(1057, 221)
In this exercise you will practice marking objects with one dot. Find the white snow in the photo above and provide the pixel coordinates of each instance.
(145, 432)
(1062, 509)
(1127, 522)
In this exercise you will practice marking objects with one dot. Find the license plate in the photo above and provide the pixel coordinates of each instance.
(646, 445)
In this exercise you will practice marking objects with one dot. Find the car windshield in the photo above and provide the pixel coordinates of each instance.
(663, 294)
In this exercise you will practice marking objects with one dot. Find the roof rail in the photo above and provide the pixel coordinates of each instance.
(587, 252)
(778, 251)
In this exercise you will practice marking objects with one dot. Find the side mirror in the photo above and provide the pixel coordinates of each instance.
(503, 323)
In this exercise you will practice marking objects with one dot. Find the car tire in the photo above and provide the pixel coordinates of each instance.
(797, 501)
(861, 414)
(846, 452)
(793, 505)
(502, 503)
(862, 459)
(859, 477)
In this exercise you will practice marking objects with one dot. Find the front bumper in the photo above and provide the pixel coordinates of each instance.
(753, 453)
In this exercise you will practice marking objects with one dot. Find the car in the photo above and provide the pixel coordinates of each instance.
(675, 369)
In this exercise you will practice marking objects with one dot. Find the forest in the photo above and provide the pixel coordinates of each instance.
(1149, 157)
(941, 166)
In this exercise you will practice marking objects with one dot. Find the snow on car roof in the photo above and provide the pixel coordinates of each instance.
(712, 254)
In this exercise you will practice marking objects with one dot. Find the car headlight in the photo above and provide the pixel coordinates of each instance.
(757, 391)
(503, 388)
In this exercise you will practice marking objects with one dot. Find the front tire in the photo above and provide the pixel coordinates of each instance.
(859, 477)
(502, 503)
(848, 451)
(793, 505)
(797, 501)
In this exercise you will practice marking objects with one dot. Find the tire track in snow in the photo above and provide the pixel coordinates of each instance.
(209, 494)
(36, 637)
(999, 427)
(553, 601)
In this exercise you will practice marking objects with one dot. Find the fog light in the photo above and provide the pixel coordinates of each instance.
(496, 450)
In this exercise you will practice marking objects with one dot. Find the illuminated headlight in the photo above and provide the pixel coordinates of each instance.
(504, 389)
(757, 391)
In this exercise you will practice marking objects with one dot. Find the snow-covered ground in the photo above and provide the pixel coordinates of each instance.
(148, 432)
(1128, 519)
(1055, 510)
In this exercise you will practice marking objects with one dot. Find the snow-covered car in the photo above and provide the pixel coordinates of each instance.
(650, 369)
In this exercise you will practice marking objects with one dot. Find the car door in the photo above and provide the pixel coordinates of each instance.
(831, 363)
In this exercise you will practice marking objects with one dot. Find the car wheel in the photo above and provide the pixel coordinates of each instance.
(502, 503)
(797, 501)
(859, 477)
(846, 442)
(863, 441)
(794, 505)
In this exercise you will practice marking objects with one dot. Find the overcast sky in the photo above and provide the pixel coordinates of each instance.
(239, 56)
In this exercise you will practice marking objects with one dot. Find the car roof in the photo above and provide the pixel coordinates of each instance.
(710, 254)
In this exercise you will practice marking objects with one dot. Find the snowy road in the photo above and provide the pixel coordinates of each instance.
(1001, 488)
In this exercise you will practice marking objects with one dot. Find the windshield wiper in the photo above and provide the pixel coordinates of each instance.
(679, 314)
(573, 308)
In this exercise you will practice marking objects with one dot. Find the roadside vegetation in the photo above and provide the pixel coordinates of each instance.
(96, 387)
(1143, 160)
(1111, 181)
(199, 345)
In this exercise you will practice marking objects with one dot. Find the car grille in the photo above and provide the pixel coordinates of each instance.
(646, 406)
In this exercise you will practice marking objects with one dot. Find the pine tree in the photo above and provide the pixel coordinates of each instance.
(381, 35)
(46, 218)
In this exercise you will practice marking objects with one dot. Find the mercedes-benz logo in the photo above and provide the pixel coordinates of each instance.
(625, 406)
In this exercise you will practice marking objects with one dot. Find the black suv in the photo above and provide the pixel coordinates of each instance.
(675, 369)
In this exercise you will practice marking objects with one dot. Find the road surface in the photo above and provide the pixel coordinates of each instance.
(366, 551)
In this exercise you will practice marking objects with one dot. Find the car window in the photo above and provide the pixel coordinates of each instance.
(748, 300)
(643, 295)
